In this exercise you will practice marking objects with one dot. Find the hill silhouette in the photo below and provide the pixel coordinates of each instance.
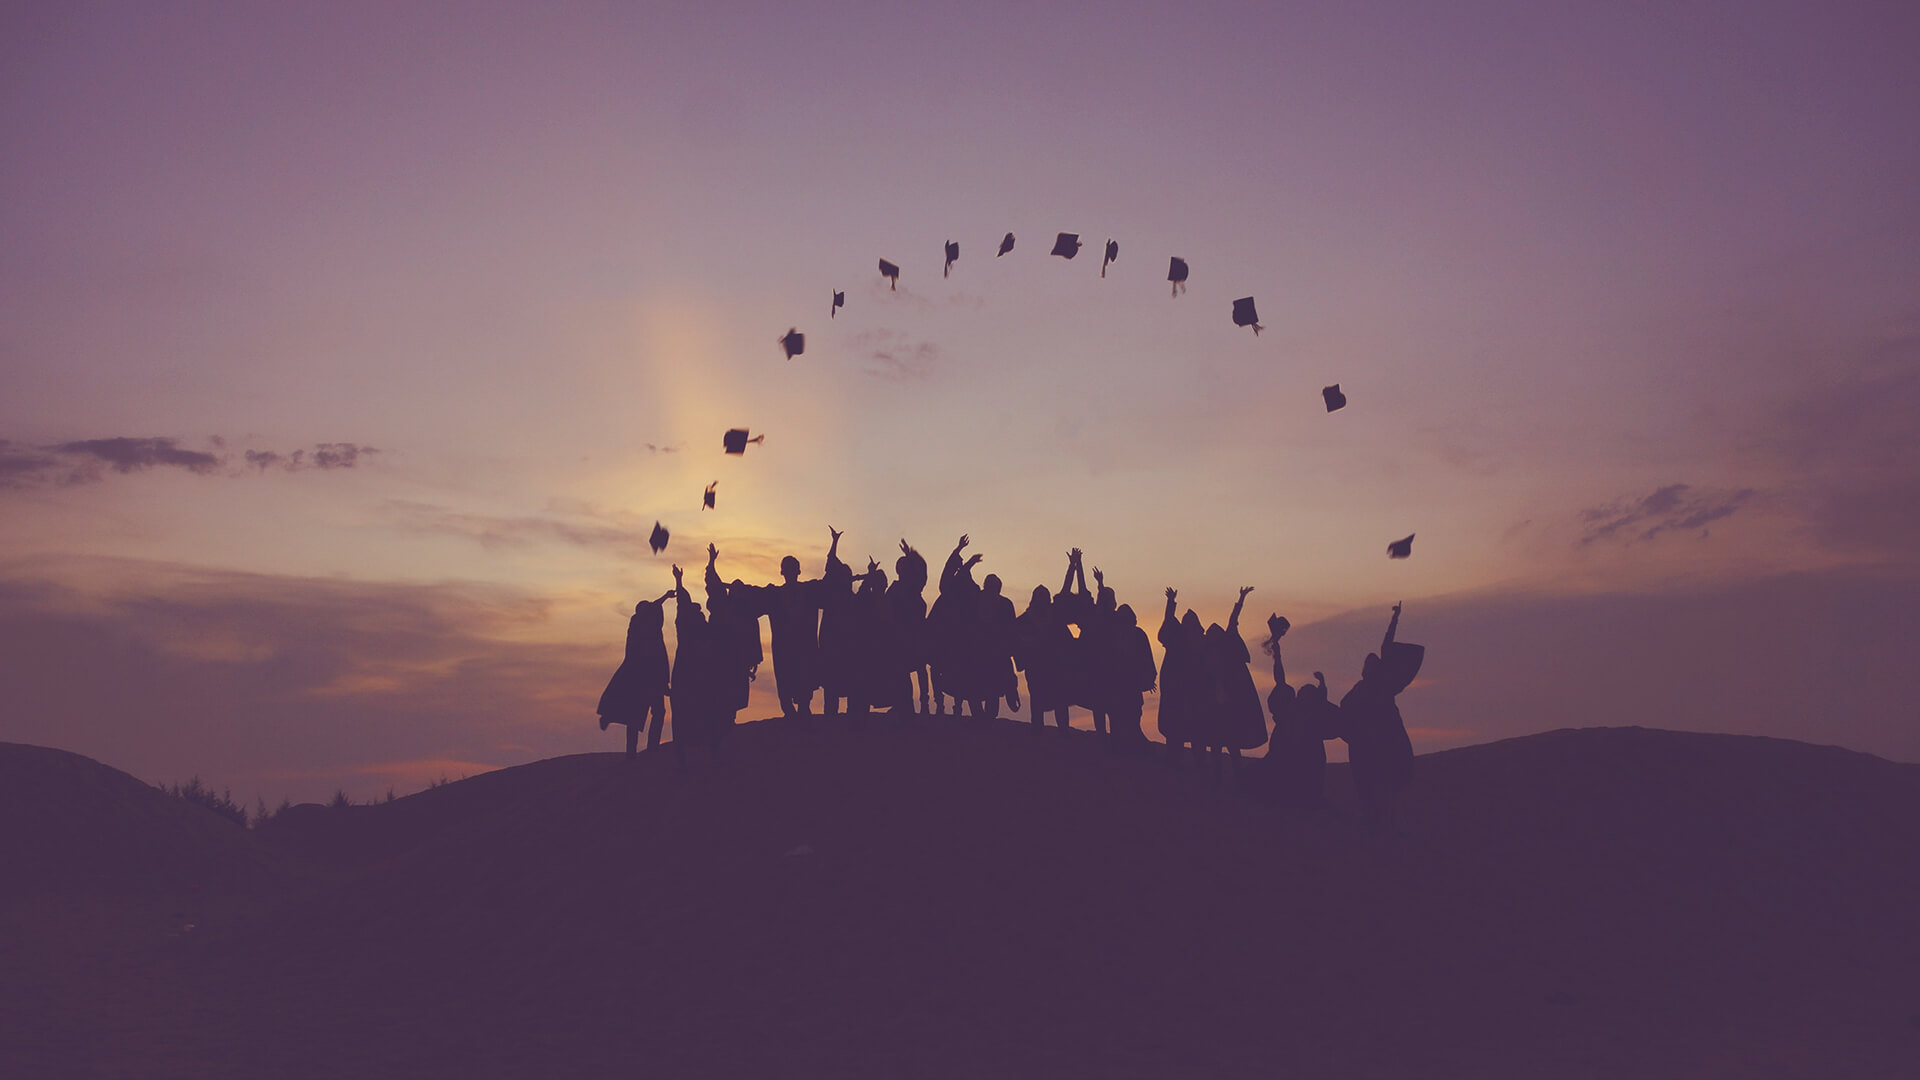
(963, 899)
(73, 824)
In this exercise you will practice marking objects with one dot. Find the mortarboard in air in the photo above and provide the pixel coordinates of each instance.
(839, 301)
(1113, 253)
(1335, 399)
(735, 440)
(707, 501)
(890, 272)
(658, 541)
(1006, 245)
(794, 342)
(1067, 245)
(1177, 273)
(1400, 549)
(953, 253)
(1244, 315)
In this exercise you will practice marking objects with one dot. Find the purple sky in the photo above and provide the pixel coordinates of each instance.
(1626, 300)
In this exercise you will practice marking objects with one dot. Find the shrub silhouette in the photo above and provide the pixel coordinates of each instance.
(195, 792)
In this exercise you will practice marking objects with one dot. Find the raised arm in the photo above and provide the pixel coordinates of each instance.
(1073, 563)
(1233, 621)
(715, 587)
(1277, 626)
(1169, 626)
(679, 594)
(1392, 625)
(833, 549)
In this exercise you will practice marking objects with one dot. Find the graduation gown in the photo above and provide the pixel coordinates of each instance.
(641, 678)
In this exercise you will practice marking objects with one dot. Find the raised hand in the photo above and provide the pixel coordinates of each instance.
(1244, 590)
(1099, 578)
(962, 545)
(837, 534)
(1074, 556)
(676, 575)
(973, 559)
(905, 548)
(872, 565)
(1172, 593)
(713, 553)
(1396, 608)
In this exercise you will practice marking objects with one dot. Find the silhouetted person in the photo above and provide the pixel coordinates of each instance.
(994, 626)
(1183, 680)
(694, 676)
(1100, 652)
(1319, 717)
(1128, 676)
(874, 669)
(907, 606)
(1234, 712)
(838, 639)
(1378, 749)
(951, 629)
(637, 693)
(1037, 638)
(1296, 762)
(793, 617)
(733, 621)
(1073, 610)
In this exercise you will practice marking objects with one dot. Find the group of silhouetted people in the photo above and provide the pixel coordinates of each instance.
(872, 644)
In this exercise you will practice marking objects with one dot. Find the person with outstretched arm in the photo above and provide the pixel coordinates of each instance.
(792, 609)
(838, 635)
(693, 690)
(1183, 674)
(636, 696)
(1378, 749)
(1234, 714)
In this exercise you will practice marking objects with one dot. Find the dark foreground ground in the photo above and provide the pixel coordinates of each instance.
(948, 898)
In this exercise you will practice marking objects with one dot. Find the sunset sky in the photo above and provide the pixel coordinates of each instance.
(1626, 301)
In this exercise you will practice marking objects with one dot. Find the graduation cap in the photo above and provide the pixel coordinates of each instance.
(707, 502)
(794, 342)
(1006, 245)
(736, 440)
(1177, 273)
(1113, 253)
(1244, 315)
(953, 253)
(658, 541)
(891, 272)
(1400, 549)
(1067, 245)
(1335, 399)
(839, 301)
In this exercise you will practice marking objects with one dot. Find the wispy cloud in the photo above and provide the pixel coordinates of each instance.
(339, 455)
(894, 356)
(906, 296)
(1846, 446)
(1673, 508)
(20, 463)
(500, 531)
(584, 526)
(126, 455)
(83, 461)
